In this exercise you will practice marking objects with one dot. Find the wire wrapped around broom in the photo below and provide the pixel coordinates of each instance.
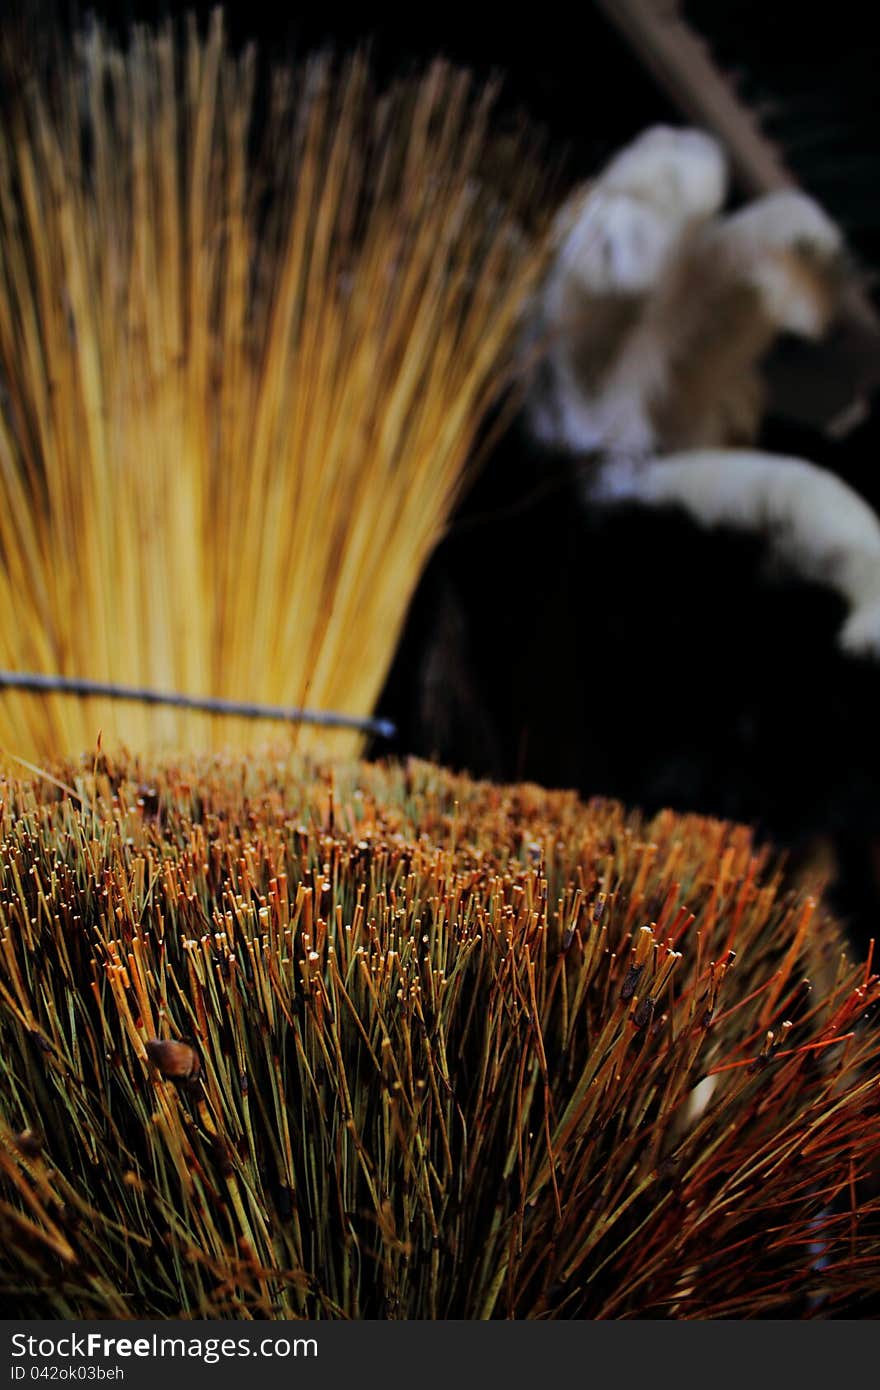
(68, 685)
(242, 363)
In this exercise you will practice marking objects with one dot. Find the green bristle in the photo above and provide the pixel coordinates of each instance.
(384, 1042)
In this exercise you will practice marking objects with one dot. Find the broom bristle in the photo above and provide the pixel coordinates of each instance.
(394, 1044)
(244, 347)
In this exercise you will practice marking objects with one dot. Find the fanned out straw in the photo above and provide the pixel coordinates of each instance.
(388, 1043)
(242, 359)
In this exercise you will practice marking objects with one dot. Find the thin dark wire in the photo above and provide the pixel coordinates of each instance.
(70, 685)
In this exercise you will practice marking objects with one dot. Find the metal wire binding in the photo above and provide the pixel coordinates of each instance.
(70, 685)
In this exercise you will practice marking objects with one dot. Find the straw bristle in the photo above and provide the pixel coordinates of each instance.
(244, 347)
(391, 1043)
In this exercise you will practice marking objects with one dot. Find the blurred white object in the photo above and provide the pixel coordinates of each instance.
(651, 325)
(655, 314)
(817, 524)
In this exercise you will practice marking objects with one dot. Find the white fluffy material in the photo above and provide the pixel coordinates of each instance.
(627, 239)
(617, 238)
(757, 239)
(786, 220)
(616, 417)
(624, 248)
(817, 524)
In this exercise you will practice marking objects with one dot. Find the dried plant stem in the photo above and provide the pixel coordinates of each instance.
(242, 362)
(389, 1043)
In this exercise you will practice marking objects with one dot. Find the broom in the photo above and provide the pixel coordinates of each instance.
(390, 1043)
(247, 332)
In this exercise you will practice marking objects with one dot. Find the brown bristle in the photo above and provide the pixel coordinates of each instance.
(458, 1051)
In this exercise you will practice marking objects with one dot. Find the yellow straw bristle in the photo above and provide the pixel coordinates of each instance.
(243, 360)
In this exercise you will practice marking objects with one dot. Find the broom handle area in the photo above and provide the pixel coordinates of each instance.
(70, 685)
